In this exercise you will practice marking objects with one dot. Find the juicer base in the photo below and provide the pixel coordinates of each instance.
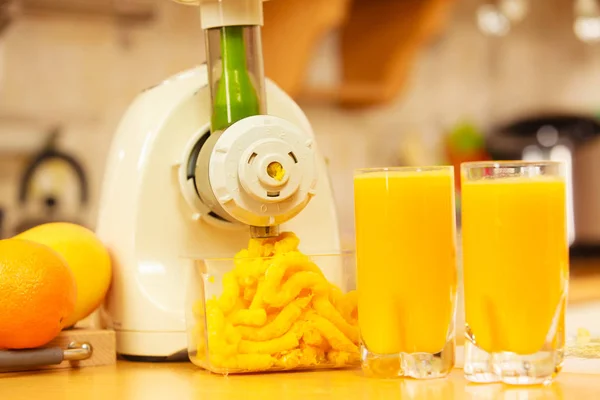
(151, 346)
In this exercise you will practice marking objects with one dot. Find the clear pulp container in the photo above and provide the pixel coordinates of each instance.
(280, 313)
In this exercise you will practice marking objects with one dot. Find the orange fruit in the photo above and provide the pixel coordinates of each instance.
(86, 256)
(37, 294)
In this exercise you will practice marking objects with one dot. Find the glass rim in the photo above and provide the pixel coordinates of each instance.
(406, 168)
(509, 164)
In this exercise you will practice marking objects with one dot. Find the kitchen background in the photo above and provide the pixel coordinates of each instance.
(70, 68)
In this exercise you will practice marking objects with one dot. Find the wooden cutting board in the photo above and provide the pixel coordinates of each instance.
(103, 343)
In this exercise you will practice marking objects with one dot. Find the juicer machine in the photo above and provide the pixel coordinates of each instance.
(199, 164)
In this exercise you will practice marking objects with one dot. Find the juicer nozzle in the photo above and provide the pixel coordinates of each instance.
(263, 232)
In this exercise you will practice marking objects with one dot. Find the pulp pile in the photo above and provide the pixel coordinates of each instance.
(276, 311)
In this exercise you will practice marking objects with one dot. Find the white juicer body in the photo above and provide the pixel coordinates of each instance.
(150, 229)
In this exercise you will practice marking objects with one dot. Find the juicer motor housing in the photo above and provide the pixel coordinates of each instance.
(154, 224)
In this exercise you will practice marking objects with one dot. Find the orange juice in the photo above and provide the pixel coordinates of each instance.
(405, 246)
(515, 257)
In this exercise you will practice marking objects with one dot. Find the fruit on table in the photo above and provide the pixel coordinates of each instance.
(37, 294)
(86, 256)
(277, 311)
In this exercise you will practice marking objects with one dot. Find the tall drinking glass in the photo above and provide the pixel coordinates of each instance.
(515, 259)
(406, 270)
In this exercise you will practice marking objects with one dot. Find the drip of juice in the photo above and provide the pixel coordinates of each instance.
(406, 249)
(515, 261)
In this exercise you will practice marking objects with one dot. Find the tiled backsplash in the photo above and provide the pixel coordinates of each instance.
(82, 74)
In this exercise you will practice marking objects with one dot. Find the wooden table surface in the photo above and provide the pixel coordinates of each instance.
(181, 381)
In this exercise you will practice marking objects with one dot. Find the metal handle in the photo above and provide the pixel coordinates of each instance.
(47, 356)
(78, 351)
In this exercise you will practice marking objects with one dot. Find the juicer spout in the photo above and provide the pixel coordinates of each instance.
(263, 232)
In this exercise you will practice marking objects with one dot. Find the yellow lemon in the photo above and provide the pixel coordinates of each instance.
(86, 256)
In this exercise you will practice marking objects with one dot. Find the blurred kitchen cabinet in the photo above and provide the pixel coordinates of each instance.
(380, 43)
(380, 40)
(291, 31)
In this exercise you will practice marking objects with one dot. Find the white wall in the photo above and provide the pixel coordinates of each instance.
(82, 73)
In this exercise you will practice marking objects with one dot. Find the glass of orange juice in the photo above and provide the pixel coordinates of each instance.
(516, 266)
(406, 270)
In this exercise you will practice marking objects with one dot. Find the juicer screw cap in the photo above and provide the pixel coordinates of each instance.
(268, 173)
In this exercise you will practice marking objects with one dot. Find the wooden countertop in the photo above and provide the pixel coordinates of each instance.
(181, 381)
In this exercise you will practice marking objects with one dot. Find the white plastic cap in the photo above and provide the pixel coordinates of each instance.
(239, 176)
(217, 13)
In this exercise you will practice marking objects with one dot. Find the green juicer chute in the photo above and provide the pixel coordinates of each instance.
(235, 94)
